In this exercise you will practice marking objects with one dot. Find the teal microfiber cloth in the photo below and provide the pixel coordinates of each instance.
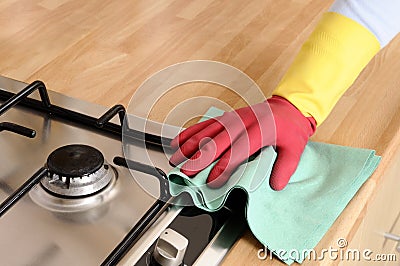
(296, 218)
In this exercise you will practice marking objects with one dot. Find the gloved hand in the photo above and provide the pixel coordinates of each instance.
(327, 64)
(236, 135)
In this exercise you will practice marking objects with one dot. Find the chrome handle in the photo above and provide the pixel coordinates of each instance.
(395, 238)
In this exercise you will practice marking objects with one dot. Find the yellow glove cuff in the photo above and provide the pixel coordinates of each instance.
(327, 64)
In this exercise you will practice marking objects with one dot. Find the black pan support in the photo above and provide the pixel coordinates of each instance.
(20, 130)
(131, 237)
(13, 100)
(147, 169)
(101, 124)
(44, 105)
(22, 190)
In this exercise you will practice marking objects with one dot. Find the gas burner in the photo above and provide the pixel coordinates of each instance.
(76, 197)
(78, 179)
(76, 171)
(68, 205)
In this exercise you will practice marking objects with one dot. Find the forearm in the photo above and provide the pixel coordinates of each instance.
(380, 17)
(335, 54)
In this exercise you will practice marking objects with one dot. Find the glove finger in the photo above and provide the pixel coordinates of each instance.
(232, 129)
(284, 167)
(245, 146)
(207, 154)
(189, 132)
(220, 173)
(195, 142)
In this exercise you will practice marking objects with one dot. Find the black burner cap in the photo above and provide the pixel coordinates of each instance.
(75, 160)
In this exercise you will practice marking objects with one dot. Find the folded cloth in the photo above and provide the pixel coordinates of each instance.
(290, 222)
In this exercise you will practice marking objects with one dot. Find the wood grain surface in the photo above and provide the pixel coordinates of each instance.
(102, 50)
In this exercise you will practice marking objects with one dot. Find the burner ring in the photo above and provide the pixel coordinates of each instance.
(76, 171)
(62, 204)
(75, 161)
(78, 186)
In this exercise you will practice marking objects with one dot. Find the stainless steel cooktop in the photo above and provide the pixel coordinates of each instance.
(84, 206)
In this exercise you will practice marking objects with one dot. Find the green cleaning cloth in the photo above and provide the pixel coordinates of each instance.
(293, 220)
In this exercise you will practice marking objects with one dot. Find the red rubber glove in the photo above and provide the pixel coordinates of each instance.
(236, 135)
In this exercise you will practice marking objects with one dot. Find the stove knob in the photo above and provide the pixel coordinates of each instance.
(170, 248)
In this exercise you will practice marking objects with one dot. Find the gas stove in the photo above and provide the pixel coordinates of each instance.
(70, 195)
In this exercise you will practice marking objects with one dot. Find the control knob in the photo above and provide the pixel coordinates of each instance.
(170, 248)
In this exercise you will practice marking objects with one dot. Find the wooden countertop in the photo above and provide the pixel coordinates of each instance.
(101, 51)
